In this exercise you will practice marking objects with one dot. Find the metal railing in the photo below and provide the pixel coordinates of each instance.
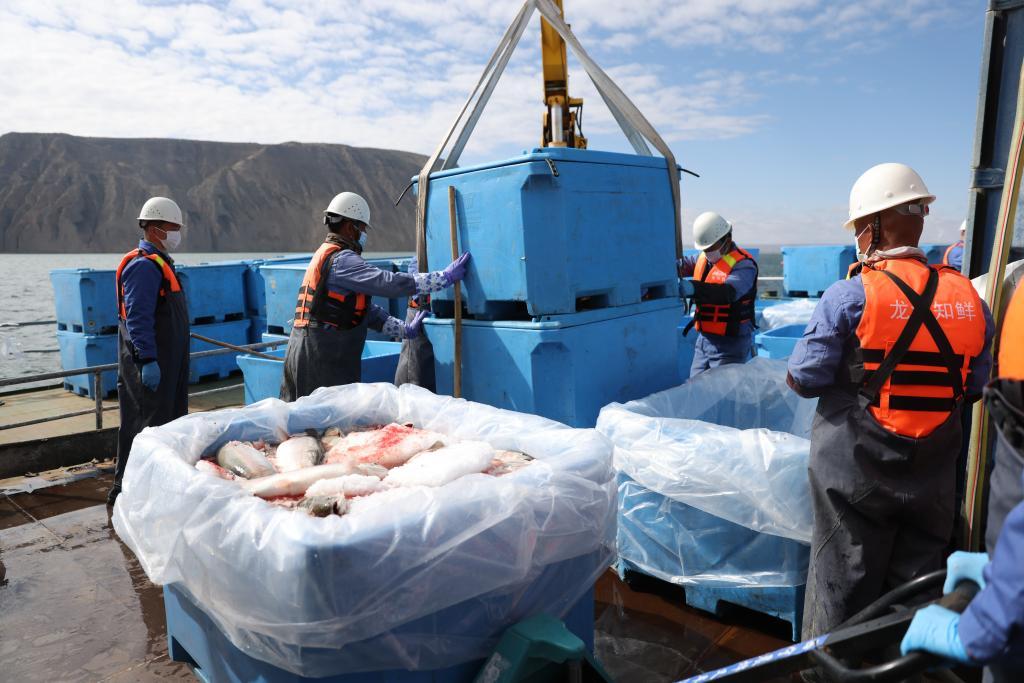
(97, 384)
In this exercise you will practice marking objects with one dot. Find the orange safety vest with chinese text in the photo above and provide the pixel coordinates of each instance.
(921, 378)
(317, 305)
(723, 319)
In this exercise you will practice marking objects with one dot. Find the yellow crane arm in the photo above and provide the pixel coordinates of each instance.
(561, 119)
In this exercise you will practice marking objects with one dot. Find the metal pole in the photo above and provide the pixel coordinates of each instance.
(97, 388)
(240, 349)
(454, 224)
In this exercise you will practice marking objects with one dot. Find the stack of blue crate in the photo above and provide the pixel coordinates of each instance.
(86, 311)
(571, 297)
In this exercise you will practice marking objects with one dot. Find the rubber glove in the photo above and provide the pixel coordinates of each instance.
(963, 566)
(685, 289)
(935, 629)
(413, 329)
(456, 270)
(151, 375)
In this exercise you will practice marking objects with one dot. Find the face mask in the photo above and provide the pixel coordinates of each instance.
(713, 255)
(172, 239)
(362, 240)
(861, 256)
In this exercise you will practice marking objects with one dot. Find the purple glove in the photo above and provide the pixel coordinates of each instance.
(456, 270)
(413, 329)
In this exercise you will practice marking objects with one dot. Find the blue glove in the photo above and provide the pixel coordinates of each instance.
(456, 270)
(685, 289)
(151, 375)
(961, 566)
(935, 629)
(413, 329)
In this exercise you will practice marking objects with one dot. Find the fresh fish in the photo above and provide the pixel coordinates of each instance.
(349, 486)
(296, 482)
(391, 445)
(332, 435)
(322, 506)
(507, 462)
(297, 453)
(437, 468)
(210, 467)
(244, 460)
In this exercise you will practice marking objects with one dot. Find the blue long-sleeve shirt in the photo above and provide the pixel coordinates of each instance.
(992, 626)
(818, 356)
(141, 280)
(955, 257)
(351, 273)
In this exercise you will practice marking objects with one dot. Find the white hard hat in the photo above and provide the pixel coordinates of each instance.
(349, 205)
(709, 228)
(161, 209)
(884, 186)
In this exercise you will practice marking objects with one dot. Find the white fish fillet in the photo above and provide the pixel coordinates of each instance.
(390, 446)
(242, 459)
(437, 468)
(210, 467)
(297, 453)
(296, 483)
(350, 486)
(507, 462)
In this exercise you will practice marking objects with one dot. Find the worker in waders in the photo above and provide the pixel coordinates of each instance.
(152, 333)
(723, 287)
(334, 307)
(991, 630)
(954, 256)
(894, 353)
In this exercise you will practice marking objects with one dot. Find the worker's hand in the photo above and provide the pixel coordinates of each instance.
(151, 375)
(415, 327)
(936, 629)
(456, 270)
(685, 266)
(685, 289)
(961, 566)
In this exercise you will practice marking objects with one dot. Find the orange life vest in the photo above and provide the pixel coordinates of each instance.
(950, 248)
(320, 306)
(921, 327)
(170, 281)
(1011, 340)
(723, 319)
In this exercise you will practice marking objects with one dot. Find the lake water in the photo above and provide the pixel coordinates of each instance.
(26, 296)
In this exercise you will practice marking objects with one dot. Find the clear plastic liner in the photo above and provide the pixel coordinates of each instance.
(795, 312)
(732, 444)
(427, 581)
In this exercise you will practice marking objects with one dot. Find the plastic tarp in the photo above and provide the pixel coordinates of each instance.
(795, 312)
(427, 579)
(731, 444)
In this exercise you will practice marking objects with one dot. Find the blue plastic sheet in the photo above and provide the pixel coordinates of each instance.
(429, 580)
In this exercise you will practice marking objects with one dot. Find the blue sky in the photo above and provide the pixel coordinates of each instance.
(779, 104)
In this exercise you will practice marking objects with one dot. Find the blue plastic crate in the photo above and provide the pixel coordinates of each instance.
(779, 343)
(540, 227)
(934, 252)
(676, 539)
(215, 291)
(85, 300)
(252, 280)
(257, 328)
(566, 367)
(263, 376)
(80, 350)
(193, 638)
(809, 271)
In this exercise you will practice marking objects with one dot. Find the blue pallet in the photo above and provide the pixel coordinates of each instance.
(810, 270)
(779, 343)
(193, 638)
(687, 348)
(540, 233)
(263, 376)
(81, 350)
(648, 542)
(567, 367)
(85, 300)
(282, 283)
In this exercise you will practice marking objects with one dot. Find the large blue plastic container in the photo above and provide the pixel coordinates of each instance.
(193, 638)
(282, 281)
(652, 531)
(215, 291)
(565, 367)
(263, 376)
(85, 300)
(779, 343)
(554, 226)
(934, 252)
(810, 270)
(80, 350)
